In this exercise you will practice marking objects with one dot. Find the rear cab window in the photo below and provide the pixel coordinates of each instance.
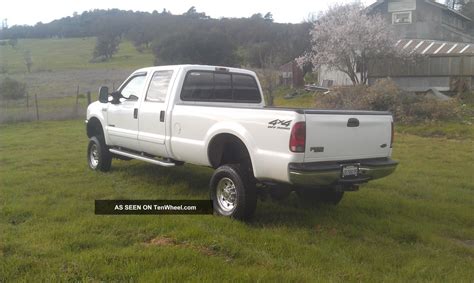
(214, 86)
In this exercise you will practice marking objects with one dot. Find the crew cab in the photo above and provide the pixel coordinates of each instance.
(217, 117)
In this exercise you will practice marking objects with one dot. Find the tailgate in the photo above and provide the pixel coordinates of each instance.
(347, 135)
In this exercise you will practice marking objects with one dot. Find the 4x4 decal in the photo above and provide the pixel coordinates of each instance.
(279, 124)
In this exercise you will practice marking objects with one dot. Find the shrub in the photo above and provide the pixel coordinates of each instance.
(384, 95)
(12, 89)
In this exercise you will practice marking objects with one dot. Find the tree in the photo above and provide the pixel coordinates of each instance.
(198, 46)
(28, 60)
(269, 76)
(346, 39)
(13, 42)
(268, 17)
(454, 4)
(192, 13)
(12, 89)
(106, 46)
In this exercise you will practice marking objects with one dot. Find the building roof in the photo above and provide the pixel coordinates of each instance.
(444, 7)
(435, 47)
(439, 5)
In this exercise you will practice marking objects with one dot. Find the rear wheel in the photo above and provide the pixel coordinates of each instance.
(232, 192)
(98, 156)
(317, 195)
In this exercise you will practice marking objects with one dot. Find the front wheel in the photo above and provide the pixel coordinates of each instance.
(232, 193)
(98, 156)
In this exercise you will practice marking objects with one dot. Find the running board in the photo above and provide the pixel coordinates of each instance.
(143, 158)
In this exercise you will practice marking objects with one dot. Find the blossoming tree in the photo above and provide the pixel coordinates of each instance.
(347, 39)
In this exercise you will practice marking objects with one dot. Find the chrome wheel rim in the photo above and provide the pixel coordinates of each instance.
(94, 156)
(226, 194)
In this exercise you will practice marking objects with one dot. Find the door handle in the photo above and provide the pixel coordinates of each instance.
(162, 116)
(353, 122)
(135, 113)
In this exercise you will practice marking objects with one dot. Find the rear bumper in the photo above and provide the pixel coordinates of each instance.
(329, 173)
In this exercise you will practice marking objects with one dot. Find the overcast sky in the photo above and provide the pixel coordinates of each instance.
(19, 12)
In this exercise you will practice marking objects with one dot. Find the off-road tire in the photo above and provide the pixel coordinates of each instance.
(232, 192)
(98, 156)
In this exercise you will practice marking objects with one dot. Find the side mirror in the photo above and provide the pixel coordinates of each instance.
(116, 95)
(104, 94)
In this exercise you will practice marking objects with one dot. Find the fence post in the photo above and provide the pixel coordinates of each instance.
(76, 107)
(113, 86)
(77, 95)
(27, 102)
(88, 98)
(36, 104)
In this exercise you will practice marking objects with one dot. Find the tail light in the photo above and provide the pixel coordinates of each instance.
(298, 137)
(392, 136)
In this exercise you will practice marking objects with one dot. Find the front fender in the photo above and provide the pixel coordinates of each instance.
(95, 111)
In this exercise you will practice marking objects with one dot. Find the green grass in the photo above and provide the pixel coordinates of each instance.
(304, 100)
(451, 130)
(60, 66)
(416, 225)
(68, 53)
(56, 108)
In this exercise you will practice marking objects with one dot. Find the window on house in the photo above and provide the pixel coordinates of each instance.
(401, 18)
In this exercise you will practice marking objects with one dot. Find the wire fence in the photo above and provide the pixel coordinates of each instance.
(35, 107)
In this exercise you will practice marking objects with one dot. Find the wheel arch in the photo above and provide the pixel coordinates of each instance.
(94, 128)
(226, 148)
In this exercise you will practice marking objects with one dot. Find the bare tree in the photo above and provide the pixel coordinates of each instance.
(13, 42)
(455, 4)
(28, 60)
(346, 39)
(269, 75)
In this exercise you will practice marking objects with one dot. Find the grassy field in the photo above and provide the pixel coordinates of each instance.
(416, 225)
(59, 67)
(51, 55)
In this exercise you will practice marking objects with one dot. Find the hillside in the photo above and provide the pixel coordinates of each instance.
(60, 65)
(192, 37)
(54, 55)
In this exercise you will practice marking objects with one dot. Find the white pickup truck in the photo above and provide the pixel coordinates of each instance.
(216, 117)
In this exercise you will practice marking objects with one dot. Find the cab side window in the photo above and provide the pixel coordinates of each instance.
(159, 86)
(133, 89)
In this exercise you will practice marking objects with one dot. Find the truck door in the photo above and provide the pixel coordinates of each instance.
(122, 118)
(152, 114)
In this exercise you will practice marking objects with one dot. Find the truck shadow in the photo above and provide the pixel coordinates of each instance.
(191, 181)
(188, 179)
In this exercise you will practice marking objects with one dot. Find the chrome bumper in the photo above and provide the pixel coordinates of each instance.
(330, 173)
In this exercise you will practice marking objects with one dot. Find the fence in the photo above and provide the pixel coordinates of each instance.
(40, 107)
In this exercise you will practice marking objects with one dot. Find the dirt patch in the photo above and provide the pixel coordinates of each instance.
(161, 241)
(164, 241)
(469, 243)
